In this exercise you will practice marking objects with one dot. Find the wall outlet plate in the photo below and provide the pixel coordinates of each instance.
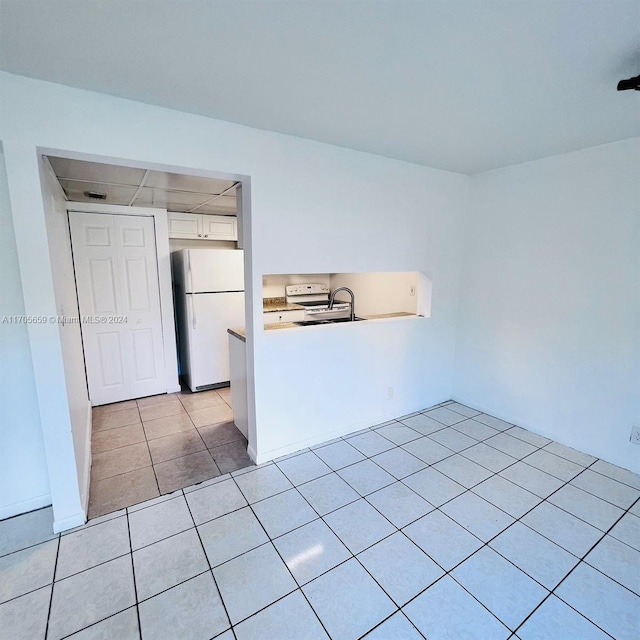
(635, 435)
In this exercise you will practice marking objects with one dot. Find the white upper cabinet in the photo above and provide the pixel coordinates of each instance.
(197, 226)
(185, 225)
(220, 227)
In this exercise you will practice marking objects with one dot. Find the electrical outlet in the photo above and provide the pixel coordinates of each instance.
(635, 435)
(390, 393)
(412, 290)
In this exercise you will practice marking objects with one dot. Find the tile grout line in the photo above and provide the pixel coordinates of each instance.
(580, 561)
(210, 570)
(155, 475)
(121, 426)
(452, 455)
(519, 519)
(516, 520)
(133, 574)
(565, 482)
(523, 460)
(550, 591)
(270, 541)
(484, 544)
(493, 473)
(95, 624)
(352, 556)
(384, 538)
(53, 583)
(608, 533)
(516, 460)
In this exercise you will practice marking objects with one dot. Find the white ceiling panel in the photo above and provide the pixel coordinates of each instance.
(96, 171)
(164, 190)
(180, 182)
(116, 194)
(223, 204)
(149, 197)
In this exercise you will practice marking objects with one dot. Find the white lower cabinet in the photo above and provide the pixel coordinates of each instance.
(238, 371)
(276, 317)
(200, 226)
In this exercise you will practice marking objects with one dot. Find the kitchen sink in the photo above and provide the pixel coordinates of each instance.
(356, 319)
(306, 323)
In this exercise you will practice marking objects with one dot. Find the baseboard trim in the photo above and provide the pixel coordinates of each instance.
(18, 508)
(76, 520)
(354, 427)
(86, 480)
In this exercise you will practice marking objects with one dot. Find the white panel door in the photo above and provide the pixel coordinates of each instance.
(119, 299)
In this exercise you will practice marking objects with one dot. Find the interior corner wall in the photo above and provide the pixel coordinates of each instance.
(549, 316)
(24, 482)
(55, 211)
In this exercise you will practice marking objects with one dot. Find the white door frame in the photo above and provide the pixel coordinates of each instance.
(32, 243)
(163, 258)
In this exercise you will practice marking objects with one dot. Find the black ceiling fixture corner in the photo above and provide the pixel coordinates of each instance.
(631, 83)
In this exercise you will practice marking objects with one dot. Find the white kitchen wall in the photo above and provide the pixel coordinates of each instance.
(315, 209)
(273, 286)
(24, 482)
(57, 222)
(381, 292)
(549, 320)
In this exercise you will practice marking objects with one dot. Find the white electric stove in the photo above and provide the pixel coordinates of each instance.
(315, 300)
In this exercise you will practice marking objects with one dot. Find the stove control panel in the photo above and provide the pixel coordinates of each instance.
(306, 289)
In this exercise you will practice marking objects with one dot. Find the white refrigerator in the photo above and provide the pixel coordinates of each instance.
(209, 296)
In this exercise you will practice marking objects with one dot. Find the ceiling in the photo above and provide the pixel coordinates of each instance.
(462, 85)
(144, 188)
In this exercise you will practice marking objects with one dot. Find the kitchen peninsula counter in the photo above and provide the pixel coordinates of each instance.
(279, 304)
(398, 314)
(241, 333)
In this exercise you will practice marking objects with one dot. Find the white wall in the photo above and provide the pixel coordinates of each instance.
(55, 209)
(273, 286)
(24, 482)
(549, 320)
(32, 244)
(315, 209)
(378, 293)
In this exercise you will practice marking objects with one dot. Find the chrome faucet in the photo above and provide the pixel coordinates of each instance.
(332, 299)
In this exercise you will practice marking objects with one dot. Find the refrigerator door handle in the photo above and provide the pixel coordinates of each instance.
(190, 275)
(193, 311)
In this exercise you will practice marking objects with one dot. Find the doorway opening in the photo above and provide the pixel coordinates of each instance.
(118, 235)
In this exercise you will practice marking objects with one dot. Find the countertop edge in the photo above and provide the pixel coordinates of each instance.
(238, 333)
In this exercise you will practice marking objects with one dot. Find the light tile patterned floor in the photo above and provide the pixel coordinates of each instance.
(149, 447)
(446, 524)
